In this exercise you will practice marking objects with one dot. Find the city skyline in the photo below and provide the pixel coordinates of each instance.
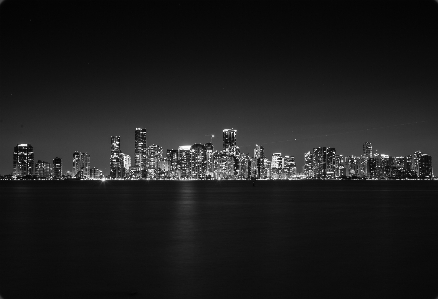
(202, 161)
(289, 76)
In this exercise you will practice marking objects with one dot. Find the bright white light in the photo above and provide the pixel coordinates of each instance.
(103, 179)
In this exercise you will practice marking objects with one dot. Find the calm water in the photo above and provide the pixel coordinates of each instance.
(304, 239)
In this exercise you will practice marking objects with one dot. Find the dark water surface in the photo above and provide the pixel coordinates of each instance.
(296, 239)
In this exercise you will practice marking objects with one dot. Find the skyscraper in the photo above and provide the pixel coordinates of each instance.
(115, 164)
(140, 149)
(198, 161)
(184, 161)
(229, 139)
(23, 161)
(425, 167)
(368, 150)
(324, 162)
(57, 168)
(81, 165)
(155, 155)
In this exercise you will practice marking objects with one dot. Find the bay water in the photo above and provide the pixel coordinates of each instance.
(219, 239)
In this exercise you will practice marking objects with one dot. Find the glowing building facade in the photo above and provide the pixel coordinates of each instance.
(155, 155)
(198, 162)
(81, 165)
(115, 163)
(229, 140)
(43, 170)
(23, 160)
(184, 161)
(140, 149)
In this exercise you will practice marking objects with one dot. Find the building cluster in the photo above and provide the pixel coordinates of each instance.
(197, 162)
(324, 163)
(202, 162)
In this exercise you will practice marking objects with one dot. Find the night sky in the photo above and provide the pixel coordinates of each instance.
(326, 73)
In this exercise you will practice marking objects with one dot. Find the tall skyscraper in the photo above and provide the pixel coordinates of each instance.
(324, 162)
(210, 165)
(425, 167)
(198, 161)
(368, 150)
(115, 164)
(140, 149)
(229, 139)
(172, 160)
(81, 165)
(23, 161)
(155, 155)
(184, 161)
(57, 168)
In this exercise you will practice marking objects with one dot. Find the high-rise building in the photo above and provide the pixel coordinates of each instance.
(172, 160)
(95, 173)
(259, 155)
(23, 161)
(425, 167)
(81, 165)
(57, 168)
(184, 161)
(210, 165)
(125, 163)
(140, 150)
(155, 155)
(368, 150)
(115, 163)
(289, 167)
(198, 161)
(229, 140)
(308, 164)
(324, 162)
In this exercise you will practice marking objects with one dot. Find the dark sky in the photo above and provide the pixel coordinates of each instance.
(326, 73)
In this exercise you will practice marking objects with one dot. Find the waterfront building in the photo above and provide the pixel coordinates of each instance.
(115, 163)
(23, 160)
(425, 167)
(324, 162)
(125, 163)
(172, 161)
(96, 173)
(184, 161)
(154, 158)
(81, 165)
(416, 163)
(289, 167)
(43, 170)
(368, 150)
(140, 149)
(259, 155)
(57, 168)
(210, 165)
(276, 165)
(198, 161)
(229, 140)
(308, 164)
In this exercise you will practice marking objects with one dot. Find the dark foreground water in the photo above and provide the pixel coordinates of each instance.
(296, 239)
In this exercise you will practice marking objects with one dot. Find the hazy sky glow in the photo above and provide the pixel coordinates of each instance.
(326, 73)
